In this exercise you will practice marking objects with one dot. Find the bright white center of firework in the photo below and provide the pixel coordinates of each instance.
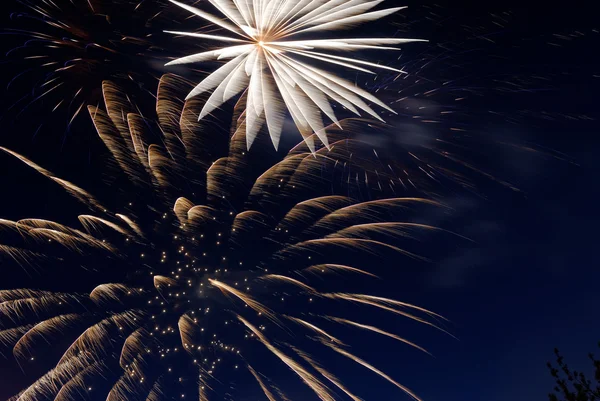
(266, 42)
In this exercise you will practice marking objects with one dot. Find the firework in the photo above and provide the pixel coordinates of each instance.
(218, 262)
(62, 50)
(269, 61)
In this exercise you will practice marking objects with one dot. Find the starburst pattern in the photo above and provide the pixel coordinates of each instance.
(270, 64)
(60, 51)
(246, 270)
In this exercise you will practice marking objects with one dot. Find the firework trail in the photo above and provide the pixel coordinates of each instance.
(60, 51)
(219, 262)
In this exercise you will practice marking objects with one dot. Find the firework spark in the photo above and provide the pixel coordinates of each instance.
(270, 65)
(62, 50)
(212, 268)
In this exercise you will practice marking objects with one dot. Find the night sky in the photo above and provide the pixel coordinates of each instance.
(527, 283)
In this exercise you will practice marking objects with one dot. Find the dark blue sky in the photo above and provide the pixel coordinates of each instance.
(529, 282)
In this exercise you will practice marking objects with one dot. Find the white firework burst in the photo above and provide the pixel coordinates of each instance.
(269, 65)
